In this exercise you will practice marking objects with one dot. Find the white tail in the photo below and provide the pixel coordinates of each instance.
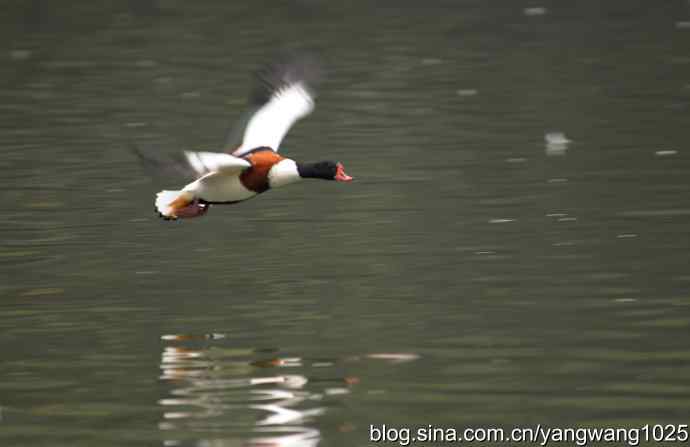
(163, 201)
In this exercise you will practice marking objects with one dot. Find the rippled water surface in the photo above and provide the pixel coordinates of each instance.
(514, 249)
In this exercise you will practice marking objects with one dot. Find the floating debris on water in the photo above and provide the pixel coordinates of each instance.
(466, 92)
(556, 143)
(395, 357)
(625, 300)
(194, 94)
(557, 180)
(685, 24)
(535, 11)
(556, 138)
(496, 221)
(665, 153)
(626, 235)
(516, 160)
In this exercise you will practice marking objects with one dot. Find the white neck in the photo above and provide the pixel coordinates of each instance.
(283, 173)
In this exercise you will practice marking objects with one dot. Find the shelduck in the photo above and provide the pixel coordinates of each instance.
(283, 95)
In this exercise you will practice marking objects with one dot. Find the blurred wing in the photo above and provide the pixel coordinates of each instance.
(205, 162)
(269, 124)
(283, 93)
(189, 166)
(162, 166)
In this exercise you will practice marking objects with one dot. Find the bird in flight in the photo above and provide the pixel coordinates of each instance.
(282, 96)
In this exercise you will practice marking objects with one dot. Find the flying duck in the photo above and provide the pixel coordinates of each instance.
(282, 96)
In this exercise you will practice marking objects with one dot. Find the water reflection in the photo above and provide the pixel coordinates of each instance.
(213, 387)
(556, 143)
(216, 387)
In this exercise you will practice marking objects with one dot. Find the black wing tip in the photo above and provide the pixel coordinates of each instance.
(286, 68)
(159, 164)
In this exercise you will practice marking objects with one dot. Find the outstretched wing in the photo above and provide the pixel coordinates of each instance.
(282, 96)
(268, 125)
(190, 165)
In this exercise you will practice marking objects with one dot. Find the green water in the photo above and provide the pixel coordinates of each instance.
(472, 275)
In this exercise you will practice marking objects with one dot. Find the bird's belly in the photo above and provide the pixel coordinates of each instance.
(218, 187)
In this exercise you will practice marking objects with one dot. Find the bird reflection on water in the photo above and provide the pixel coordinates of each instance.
(203, 393)
(213, 387)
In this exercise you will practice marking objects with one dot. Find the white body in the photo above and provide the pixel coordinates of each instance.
(225, 186)
(219, 187)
